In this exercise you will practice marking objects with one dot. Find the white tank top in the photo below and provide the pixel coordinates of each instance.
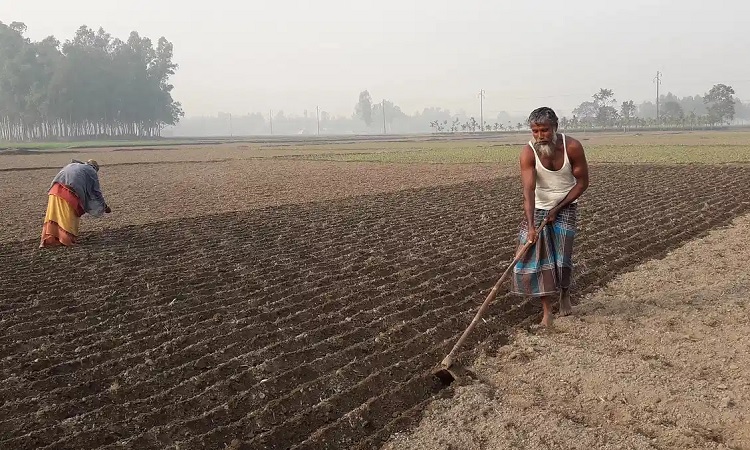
(552, 185)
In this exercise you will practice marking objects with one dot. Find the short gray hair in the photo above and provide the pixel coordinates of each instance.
(543, 115)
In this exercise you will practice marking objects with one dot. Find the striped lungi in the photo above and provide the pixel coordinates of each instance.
(547, 266)
(62, 218)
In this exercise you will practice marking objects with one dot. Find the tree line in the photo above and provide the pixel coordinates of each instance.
(92, 85)
(700, 111)
(716, 108)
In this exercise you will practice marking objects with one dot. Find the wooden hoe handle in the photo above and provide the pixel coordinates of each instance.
(448, 360)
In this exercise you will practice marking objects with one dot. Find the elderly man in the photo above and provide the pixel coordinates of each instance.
(554, 173)
(74, 192)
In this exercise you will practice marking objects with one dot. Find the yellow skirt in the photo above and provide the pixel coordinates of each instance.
(60, 222)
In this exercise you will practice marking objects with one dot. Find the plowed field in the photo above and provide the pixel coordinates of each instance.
(301, 326)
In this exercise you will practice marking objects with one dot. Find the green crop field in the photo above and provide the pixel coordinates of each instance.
(724, 148)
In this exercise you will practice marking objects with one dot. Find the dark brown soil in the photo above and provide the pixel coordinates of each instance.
(300, 326)
(146, 192)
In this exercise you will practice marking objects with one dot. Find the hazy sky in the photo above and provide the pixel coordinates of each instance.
(250, 55)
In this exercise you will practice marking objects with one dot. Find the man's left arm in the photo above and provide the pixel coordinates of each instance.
(580, 167)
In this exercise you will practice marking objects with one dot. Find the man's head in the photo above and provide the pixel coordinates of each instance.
(543, 123)
(93, 164)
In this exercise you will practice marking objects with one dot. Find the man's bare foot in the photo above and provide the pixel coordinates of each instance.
(565, 308)
(547, 307)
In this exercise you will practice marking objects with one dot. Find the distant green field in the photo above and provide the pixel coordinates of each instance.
(653, 154)
(671, 154)
(701, 147)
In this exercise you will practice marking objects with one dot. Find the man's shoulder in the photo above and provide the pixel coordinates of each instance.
(573, 143)
(527, 154)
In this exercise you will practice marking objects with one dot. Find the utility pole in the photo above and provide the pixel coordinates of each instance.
(385, 131)
(270, 120)
(317, 114)
(230, 124)
(657, 80)
(481, 109)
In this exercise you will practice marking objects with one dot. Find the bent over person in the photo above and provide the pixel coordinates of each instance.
(554, 173)
(74, 192)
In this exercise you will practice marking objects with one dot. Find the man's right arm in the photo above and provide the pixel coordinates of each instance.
(528, 179)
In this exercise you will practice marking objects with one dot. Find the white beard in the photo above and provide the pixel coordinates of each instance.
(548, 149)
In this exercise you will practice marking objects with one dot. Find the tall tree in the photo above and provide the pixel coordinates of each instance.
(586, 112)
(364, 107)
(392, 112)
(606, 114)
(672, 112)
(720, 103)
(627, 113)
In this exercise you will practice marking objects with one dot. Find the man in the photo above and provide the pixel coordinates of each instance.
(74, 192)
(554, 173)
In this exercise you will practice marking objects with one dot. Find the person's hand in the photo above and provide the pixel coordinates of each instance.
(107, 209)
(531, 236)
(552, 215)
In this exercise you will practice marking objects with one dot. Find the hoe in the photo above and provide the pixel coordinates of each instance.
(446, 372)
